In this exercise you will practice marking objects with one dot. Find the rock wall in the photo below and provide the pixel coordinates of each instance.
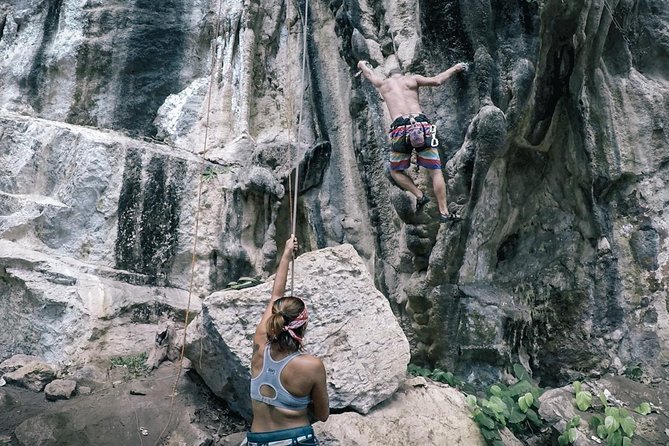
(555, 144)
(351, 329)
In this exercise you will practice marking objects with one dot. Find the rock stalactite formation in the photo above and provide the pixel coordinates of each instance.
(554, 143)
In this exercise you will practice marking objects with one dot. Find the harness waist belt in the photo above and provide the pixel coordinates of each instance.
(283, 437)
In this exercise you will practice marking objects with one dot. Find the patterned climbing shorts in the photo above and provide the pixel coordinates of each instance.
(401, 149)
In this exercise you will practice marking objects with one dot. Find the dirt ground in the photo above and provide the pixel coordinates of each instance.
(124, 411)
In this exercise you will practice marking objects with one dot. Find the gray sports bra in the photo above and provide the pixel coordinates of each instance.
(271, 376)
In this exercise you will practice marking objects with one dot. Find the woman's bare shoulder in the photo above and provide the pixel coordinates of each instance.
(310, 361)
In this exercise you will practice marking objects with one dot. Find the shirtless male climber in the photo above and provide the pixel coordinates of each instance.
(400, 92)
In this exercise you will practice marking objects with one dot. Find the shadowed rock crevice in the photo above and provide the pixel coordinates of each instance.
(96, 60)
(555, 67)
(441, 24)
(3, 22)
(38, 79)
(152, 64)
(148, 216)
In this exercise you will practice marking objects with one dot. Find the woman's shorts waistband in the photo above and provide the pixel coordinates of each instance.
(280, 437)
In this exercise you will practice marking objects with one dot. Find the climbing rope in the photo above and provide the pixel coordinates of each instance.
(197, 220)
(615, 22)
(392, 39)
(200, 183)
(295, 191)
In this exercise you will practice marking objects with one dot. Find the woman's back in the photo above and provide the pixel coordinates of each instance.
(298, 378)
(287, 386)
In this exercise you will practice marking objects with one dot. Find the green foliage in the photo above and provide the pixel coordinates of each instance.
(539, 3)
(583, 397)
(643, 409)
(570, 433)
(136, 364)
(525, 402)
(520, 372)
(513, 406)
(209, 174)
(634, 372)
(243, 282)
(603, 399)
(614, 425)
(435, 375)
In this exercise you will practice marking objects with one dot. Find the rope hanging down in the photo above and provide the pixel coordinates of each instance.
(197, 218)
(199, 190)
(299, 135)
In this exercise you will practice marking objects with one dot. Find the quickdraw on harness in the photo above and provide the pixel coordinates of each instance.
(433, 132)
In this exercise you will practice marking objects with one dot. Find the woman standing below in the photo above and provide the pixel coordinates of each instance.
(285, 382)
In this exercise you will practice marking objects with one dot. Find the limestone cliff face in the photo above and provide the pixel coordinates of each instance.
(555, 143)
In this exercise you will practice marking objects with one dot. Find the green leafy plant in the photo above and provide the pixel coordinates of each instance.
(435, 375)
(583, 397)
(570, 433)
(643, 409)
(539, 3)
(243, 282)
(614, 425)
(513, 406)
(136, 364)
(634, 372)
(209, 174)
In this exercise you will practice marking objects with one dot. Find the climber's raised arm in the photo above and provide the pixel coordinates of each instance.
(369, 74)
(434, 81)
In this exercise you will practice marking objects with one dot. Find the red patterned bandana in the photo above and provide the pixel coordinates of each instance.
(299, 321)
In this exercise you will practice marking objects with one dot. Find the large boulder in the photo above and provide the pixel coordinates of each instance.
(62, 309)
(60, 389)
(351, 328)
(16, 362)
(34, 376)
(420, 413)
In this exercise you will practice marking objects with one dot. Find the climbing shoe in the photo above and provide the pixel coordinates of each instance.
(421, 202)
(445, 218)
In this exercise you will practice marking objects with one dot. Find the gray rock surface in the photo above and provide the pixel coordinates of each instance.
(34, 376)
(60, 389)
(88, 306)
(430, 414)
(16, 362)
(555, 145)
(351, 328)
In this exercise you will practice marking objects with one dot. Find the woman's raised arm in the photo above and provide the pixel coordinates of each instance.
(279, 288)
